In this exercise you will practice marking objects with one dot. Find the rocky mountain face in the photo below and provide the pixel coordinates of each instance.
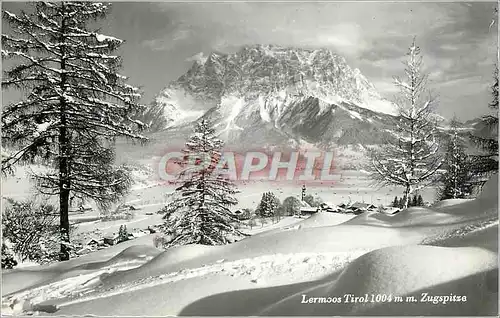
(264, 95)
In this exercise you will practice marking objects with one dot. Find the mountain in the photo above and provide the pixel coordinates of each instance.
(278, 95)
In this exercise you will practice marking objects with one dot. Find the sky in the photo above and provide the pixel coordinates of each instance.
(457, 39)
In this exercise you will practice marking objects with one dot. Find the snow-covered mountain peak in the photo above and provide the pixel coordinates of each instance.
(260, 85)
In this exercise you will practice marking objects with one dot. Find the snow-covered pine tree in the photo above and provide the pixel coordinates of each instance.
(457, 180)
(414, 201)
(75, 104)
(412, 158)
(8, 260)
(395, 202)
(486, 162)
(420, 200)
(269, 205)
(122, 233)
(200, 211)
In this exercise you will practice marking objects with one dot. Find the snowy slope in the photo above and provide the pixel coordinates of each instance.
(402, 255)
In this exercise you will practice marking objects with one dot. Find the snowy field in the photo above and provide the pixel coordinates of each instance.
(450, 249)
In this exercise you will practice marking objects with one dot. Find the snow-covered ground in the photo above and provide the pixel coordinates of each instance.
(450, 249)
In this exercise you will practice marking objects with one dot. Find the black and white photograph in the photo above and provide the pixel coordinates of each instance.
(249, 158)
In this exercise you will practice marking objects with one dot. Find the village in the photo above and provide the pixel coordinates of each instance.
(249, 221)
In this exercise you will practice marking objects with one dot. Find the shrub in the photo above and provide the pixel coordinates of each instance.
(32, 229)
(8, 261)
(161, 241)
(252, 223)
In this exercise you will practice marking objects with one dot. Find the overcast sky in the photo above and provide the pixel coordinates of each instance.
(457, 40)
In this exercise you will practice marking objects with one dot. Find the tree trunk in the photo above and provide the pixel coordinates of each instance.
(64, 173)
(64, 184)
(407, 196)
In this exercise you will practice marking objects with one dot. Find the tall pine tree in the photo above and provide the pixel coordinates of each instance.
(412, 158)
(486, 161)
(200, 211)
(457, 178)
(75, 103)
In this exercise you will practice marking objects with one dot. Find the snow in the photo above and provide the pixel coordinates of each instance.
(399, 271)
(327, 254)
(264, 113)
(199, 57)
(355, 114)
(230, 108)
(106, 38)
(42, 127)
(449, 202)
(325, 219)
(180, 107)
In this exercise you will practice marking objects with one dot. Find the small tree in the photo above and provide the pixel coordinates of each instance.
(420, 200)
(395, 203)
(122, 234)
(8, 261)
(412, 158)
(414, 201)
(263, 221)
(457, 180)
(279, 212)
(380, 208)
(291, 206)
(252, 222)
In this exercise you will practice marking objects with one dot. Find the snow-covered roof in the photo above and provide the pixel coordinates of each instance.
(361, 205)
(304, 204)
(391, 210)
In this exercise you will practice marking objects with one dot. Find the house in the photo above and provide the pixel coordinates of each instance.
(137, 234)
(342, 206)
(305, 208)
(111, 240)
(92, 242)
(328, 207)
(151, 230)
(391, 210)
(361, 207)
(129, 207)
(308, 210)
(84, 250)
